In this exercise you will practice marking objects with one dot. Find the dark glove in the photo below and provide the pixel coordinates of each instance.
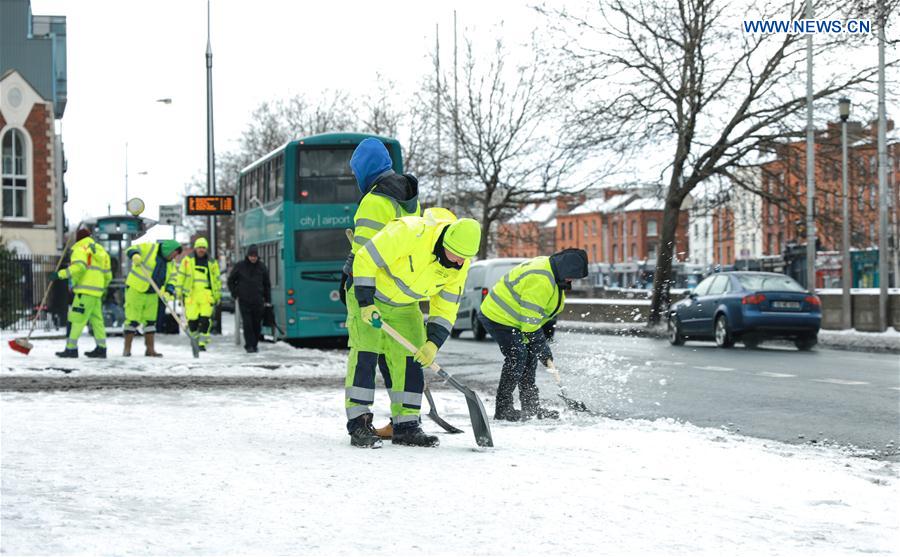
(342, 291)
(55, 276)
(545, 355)
(170, 289)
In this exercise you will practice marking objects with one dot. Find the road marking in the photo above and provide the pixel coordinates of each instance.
(778, 375)
(896, 388)
(841, 382)
(714, 368)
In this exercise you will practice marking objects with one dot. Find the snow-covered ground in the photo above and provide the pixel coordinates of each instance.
(269, 470)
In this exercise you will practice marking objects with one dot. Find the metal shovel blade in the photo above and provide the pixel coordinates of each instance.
(477, 415)
(432, 413)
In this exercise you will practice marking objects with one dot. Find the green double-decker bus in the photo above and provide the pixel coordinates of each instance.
(295, 204)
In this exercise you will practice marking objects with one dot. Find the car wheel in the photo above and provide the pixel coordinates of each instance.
(454, 333)
(675, 336)
(723, 333)
(806, 343)
(751, 341)
(478, 329)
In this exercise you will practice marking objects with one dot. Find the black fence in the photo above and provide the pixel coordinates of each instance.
(23, 282)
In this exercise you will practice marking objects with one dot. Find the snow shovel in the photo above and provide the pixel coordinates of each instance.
(23, 345)
(573, 404)
(195, 344)
(480, 426)
(387, 431)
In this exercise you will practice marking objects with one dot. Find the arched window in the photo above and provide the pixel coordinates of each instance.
(15, 177)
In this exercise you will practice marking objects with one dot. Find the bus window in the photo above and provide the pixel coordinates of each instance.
(278, 176)
(328, 244)
(265, 193)
(324, 176)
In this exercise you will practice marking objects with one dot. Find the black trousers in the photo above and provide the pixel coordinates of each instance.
(251, 320)
(521, 352)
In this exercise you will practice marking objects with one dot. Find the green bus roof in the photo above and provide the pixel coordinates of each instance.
(338, 138)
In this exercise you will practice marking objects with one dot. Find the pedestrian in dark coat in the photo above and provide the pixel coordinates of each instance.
(249, 284)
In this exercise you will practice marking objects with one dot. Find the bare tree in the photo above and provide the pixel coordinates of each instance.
(684, 76)
(507, 127)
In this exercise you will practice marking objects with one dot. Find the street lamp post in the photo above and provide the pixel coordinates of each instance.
(846, 277)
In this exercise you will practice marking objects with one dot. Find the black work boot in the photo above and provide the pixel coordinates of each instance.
(98, 352)
(411, 434)
(362, 434)
(546, 414)
(68, 353)
(508, 413)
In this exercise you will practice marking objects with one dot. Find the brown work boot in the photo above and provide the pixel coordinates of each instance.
(129, 337)
(385, 432)
(149, 342)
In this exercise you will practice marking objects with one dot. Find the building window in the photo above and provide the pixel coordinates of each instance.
(613, 254)
(651, 228)
(872, 196)
(633, 228)
(15, 177)
(634, 253)
(593, 252)
(651, 250)
(585, 226)
(593, 227)
(571, 233)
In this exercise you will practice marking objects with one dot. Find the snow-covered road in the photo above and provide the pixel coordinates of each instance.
(261, 470)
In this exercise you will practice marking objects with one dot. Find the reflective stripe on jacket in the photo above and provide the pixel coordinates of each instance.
(140, 273)
(193, 277)
(374, 212)
(526, 297)
(89, 269)
(399, 262)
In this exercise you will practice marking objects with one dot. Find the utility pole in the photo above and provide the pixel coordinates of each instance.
(846, 276)
(455, 112)
(210, 152)
(437, 82)
(883, 273)
(810, 164)
(126, 176)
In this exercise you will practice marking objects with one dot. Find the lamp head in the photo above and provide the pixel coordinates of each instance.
(844, 108)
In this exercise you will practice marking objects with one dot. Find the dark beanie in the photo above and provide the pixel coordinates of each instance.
(252, 250)
(82, 233)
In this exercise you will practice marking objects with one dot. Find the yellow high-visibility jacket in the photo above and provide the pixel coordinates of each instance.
(399, 261)
(193, 278)
(89, 269)
(375, 210)
(526, 297)
(140, 273)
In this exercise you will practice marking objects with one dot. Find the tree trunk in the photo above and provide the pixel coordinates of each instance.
(662, 278)
(485, 237)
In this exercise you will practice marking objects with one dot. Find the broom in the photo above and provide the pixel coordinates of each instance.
(23, 345)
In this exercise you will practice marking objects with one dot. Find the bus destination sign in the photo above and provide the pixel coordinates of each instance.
(210, 205)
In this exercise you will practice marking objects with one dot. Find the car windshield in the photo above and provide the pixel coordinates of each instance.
(782, 283)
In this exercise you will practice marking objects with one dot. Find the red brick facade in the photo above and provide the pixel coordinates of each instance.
(784, 179)
(38, 127)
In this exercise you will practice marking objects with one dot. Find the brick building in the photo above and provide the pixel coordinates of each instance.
(532, 231)
(784, 183)
(32, 98)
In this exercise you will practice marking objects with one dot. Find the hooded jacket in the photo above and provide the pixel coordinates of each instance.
(386, 194)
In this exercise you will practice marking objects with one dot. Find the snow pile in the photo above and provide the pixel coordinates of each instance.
(271, 472)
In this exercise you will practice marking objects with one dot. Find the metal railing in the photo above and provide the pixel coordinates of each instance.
(23, 280)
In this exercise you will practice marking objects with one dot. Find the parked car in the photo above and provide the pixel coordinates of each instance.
(748, 307)
(482, 277)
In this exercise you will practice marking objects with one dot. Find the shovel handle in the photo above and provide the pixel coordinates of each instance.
(410, 346)
(551, 368)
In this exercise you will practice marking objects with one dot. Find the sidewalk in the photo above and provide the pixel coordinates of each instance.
(852, 340)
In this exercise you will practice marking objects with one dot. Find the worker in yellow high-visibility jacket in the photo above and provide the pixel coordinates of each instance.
(409, 260)
(200, 286)
(90, 274)
(148, 261)
(514, 312)
(386, 196)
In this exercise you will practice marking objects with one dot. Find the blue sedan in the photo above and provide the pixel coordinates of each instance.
(747, 307)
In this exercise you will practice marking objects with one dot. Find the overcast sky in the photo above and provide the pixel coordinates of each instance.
(123, 55)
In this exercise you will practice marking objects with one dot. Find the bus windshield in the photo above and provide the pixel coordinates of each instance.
(324, 176)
